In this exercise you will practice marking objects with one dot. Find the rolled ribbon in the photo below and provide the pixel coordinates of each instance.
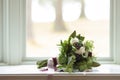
(51, 64)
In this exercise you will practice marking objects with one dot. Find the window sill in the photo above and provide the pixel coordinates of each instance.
(104, 69)
(30, 72)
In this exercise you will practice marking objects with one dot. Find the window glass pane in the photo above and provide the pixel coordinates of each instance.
(50, 21)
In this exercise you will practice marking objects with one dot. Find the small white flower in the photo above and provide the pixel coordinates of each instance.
(80, 51)
(74, 40)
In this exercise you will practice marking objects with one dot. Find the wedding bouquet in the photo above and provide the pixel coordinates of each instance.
(75, 55)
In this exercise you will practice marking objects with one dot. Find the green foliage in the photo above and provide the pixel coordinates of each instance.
(71, 36)
(69, 66)
(83, 66)
(41, 63)
(66, 48)
(89, 62)
(89, 45)
(62, 59)
(95, 64)
(70, 60)
(81, 38)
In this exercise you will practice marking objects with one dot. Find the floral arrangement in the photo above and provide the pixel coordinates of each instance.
(75, 55)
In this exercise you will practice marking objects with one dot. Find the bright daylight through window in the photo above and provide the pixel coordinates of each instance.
(50, 21)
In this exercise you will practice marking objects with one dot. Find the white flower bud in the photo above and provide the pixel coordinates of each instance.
(74, 40)
(80, 51)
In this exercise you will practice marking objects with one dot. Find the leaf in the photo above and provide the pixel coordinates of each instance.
(89, 61)
(71, 60)
(81, 38)
(42, 63)
(60, 66)
(69, 69)
(89, 45)
(83, 67)
(61, 42)
(62, 59)
(73, 35)
(95, 64)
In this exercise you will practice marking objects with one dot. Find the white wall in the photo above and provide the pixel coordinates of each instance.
(1, 29)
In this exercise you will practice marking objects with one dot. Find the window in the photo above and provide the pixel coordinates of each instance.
(50, 21)
(1, 30)
(14, 30)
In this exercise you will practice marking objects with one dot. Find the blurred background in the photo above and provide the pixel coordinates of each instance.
(50, 21)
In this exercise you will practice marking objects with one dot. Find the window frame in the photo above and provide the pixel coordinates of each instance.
(1, 8)
(13, 31)
(14, 28)
(115, 30)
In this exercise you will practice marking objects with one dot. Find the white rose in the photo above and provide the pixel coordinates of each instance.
(73, 40)
(80, 51)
